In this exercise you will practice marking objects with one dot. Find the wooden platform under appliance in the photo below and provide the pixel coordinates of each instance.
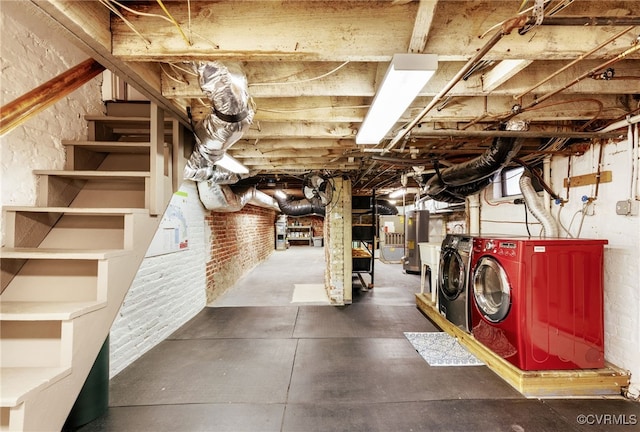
(607, 382)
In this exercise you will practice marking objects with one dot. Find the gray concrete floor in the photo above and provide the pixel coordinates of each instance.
(254, 361)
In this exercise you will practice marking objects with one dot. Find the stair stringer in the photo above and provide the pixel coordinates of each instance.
(48, 409)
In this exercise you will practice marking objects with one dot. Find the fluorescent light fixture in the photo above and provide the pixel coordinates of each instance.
(232, 165)
(405, 78)
(397, 193)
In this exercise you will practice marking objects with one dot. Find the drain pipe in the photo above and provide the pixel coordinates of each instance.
(473, 202)
(546, 176)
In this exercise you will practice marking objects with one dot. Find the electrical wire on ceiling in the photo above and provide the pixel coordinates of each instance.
(180, 80)
(303, 80)
(311, 109)
(109, 4)
(174, 22)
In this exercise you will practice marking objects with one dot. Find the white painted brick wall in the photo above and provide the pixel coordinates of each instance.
(167, 291)
(31, 55)
(622, 254)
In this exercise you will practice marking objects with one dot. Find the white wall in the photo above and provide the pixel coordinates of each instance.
(167, 291)
(31, 55)
(622, 254)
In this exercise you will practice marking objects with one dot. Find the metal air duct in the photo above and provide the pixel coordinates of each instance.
(223, 199)
(231, 114)
(536, 207)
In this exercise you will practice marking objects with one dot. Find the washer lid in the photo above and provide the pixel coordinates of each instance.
(491, 289)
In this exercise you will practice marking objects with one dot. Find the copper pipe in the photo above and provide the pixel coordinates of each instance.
(585, 75)
(28, 105)
(526, 134)
(587, 21)
(582, 57)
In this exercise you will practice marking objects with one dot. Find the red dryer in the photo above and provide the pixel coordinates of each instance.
(539, 303)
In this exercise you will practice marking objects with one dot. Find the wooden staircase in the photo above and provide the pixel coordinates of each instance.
(68, 262)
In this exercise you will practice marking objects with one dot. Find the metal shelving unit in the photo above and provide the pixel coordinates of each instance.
(300, 233)
(364, 230)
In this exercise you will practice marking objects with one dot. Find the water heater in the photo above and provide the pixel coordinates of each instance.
(416, 230)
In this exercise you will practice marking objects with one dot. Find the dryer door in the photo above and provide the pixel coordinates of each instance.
(491, 289)
(452, 274)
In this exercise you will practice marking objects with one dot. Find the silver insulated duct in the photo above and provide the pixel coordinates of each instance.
(536, 206)
(223, 199)
(231, 114)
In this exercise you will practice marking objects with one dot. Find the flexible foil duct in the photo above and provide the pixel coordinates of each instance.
(223, 199)
(231, 114)
(536, 207)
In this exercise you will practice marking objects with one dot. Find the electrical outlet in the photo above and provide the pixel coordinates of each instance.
(627, 207)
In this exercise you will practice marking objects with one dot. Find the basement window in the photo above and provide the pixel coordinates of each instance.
(506, 183)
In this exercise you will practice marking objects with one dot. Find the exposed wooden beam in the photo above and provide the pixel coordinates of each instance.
(501, 73)
(299, 30)
(422, 25)
(87, 24)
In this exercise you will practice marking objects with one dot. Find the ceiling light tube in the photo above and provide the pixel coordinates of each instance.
(232, 165)
(405, 78)
(397, 193)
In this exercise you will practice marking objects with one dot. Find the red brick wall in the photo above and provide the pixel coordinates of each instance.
(316, 222)
(238, 242)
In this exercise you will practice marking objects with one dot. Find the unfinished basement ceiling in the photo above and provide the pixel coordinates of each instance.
(313, 68)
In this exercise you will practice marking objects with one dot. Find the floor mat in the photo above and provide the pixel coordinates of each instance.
(441, 349)
(309, 293)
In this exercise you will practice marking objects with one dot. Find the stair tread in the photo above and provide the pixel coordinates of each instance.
(44, 311)
(76, 210)
(107, 143)
(94, 173)
(57, 253)
(127, 147)
(101, 117)
(18, 383)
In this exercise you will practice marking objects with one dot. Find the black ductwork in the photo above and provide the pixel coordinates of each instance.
(383, 207)
(456, 182)
(301, 207)
(304, 207)
(455, 194)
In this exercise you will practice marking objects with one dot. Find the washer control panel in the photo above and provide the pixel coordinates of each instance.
(497, 247)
